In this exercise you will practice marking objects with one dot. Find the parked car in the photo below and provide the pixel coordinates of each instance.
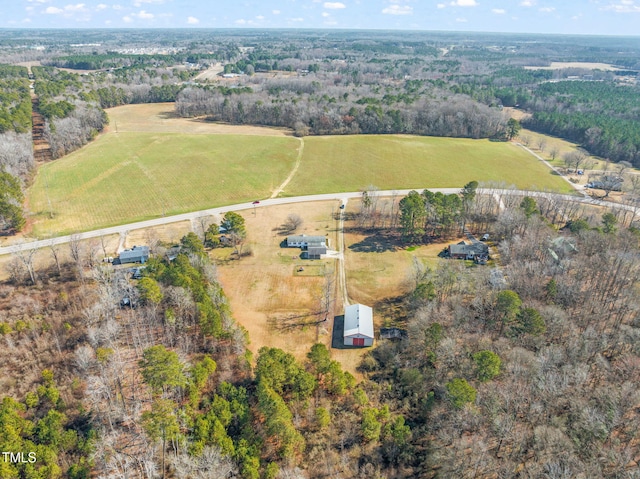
(485, 237)
(256, 202)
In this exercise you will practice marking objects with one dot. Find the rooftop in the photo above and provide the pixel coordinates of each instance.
(358, 319)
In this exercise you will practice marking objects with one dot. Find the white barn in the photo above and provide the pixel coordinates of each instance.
(358, 325)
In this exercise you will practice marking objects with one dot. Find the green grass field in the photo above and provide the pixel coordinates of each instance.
(351, 163)
(137, 175)
(127, 177)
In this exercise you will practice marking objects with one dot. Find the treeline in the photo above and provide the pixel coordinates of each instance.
(306, 107)
(15, 100)
(72, 113)
(16, 152)
(117, 60)
(602, 117)
(110, 96)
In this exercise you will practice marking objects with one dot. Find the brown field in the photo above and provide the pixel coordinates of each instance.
(210, 73)
(379, 268)
(161, 118)
(587, 65)
(274, 304)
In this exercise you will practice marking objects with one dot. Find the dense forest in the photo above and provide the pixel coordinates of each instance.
(603, 117)
(16, 154)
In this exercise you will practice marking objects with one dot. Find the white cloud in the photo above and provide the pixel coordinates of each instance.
(276, 12)
(127, 19)
(461, 20)
(38, 1)
(101, 7)
(527, 3)
(547, 9)
(260, 17)
(398, 10)
(625, 6)
(297, 19)
(499, 11)
(464, 3)
(78, 7)
(240, 21)
(53, 10)
(334, 5)
(138, 3)
(325, 14)
(441, 5)
(144, 15)
(192, 20)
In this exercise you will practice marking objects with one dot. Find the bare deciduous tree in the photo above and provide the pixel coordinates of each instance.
(293, 222)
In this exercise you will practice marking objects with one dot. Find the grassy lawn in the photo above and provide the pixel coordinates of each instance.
(124, 177)
(309, 269)
(350, 163)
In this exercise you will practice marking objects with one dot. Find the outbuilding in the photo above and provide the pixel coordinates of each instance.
(358, 325)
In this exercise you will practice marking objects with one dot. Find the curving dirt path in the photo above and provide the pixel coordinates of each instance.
(284, 184)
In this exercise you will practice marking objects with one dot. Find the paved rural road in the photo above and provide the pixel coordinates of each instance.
(124, 229)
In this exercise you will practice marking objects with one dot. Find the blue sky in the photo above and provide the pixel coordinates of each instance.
(605, 17)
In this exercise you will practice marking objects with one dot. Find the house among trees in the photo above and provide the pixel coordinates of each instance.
(137, 254)
(476, 251)
(313, 247)
(358, 325)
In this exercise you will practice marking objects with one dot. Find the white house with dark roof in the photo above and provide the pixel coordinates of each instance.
(358, 325)
(304, 241)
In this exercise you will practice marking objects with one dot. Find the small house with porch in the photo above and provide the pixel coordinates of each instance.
(358, 325)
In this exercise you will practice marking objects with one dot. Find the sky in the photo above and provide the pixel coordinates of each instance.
(599, 17)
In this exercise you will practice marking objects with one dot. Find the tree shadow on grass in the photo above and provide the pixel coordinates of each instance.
(168, 115)
(378, 242)
(295, 321)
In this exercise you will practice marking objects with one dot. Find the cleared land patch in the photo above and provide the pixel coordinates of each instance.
(162, 118)
(351, 163)
(587, 65)
(279, 306)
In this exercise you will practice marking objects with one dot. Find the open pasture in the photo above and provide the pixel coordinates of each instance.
(125, 177)
(151, 164)
(351, 163)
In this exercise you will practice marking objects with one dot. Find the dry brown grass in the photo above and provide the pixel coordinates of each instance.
(275, 306)
(379, 268)
(161, 118)
(588, 65)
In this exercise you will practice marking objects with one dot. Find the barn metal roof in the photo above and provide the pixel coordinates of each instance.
(358, 319)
